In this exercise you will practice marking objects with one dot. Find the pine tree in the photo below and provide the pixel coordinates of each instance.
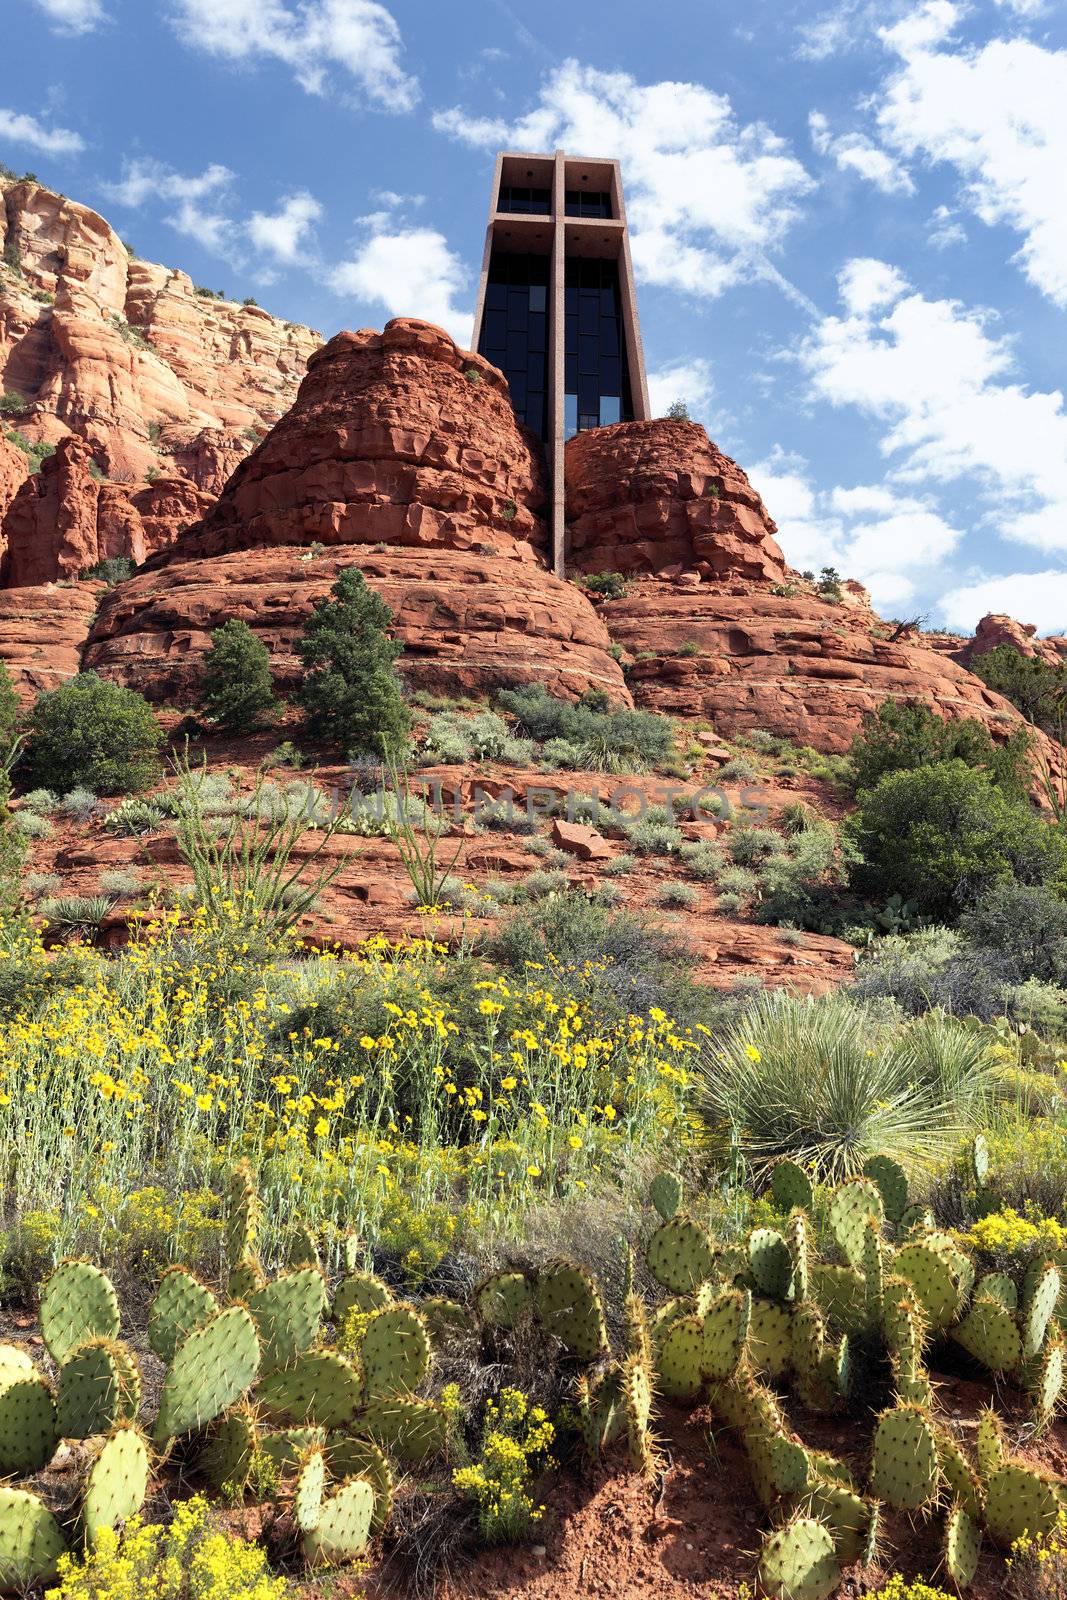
(351, 694)
(237, 690)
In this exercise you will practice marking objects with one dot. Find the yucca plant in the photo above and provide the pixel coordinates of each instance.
(825, 1082)
(76, 913)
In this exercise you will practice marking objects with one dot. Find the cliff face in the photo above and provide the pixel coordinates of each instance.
(123, 353)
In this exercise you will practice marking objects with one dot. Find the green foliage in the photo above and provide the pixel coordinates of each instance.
(112, 570)
(516, 1440)
(678, 411)
(12, 404)
(603, 740)
(944, 835)
(903, 735)
(91, 731)
(612, 585)
(237, 691)
(1038, 689)
(35, 453)
(350, 693)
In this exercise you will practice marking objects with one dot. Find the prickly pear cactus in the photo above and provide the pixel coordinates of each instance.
(963, 1484)
(769, 1341)
(310, 1485)
(989, 1444)
(769, 1262)
(77, 1303)
(1043, 1291)
(892, 1183)
(852, 1204)
(350, 1457)
(444, 1320)
(1019, 1501)
(181, 1304)
(245, 1278)
(791, 1186)
(503, 1299)
(285, 1448)
(1048, 1383)
(725, 1331)
(226, 1458)
(842, 1294)
(600, 1413)
(800, 1250)
(847, 1515)
(210, 1372)
(28, 1430)
(791, 1465)
(798, 1561)
(904, 1467)
(98, 1386)
(998, 1286)
(568, 1305)
(678, 1364)
(243, 1216)
(31, 1541)
(116, 1484)
(342, 1530)
(395, 1352)
(288, 1315)
(665, 1193)
(413, 1429)
(931, 1271)
(302, 1246)
(320, 1388)
(980, 1160)
(988, 1333)
(358, 1291)
(637, 1402)
(961, 1546)
(680, 1254)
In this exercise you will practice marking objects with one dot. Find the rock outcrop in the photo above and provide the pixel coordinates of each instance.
(14, 467)
(996, 629)
(63, 520)
(396, 438)
(128, 355)
(401, 455)
(43, 631)
(659, 497)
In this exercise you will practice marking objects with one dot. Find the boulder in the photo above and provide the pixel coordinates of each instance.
(43, 632)
(576, 840)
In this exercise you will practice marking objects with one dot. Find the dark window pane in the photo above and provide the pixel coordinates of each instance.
(517, 385)
(608, 307)
(537, 330)
(610, 374)
(516, 352)
(588, 395)
(570, 373)
(495, 328)
(609, 337)
(588, 314)
(570, 336)
(535, 412)
(587, 355)
(517, 308)
(496, 296)
(610, 409)
(538, 295)
(570, 298)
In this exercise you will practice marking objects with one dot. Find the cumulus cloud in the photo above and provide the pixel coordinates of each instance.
(872, 532)
(945, 229)
(409, 272)
(282, 234)
(709, 199)
(687, 380)
(72, 16)
(1037, 597)
(854, 152)
(316, 39)
(937, 382)
(193, 202)
(27, 130)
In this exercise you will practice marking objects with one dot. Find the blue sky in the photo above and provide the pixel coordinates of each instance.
(849, 225)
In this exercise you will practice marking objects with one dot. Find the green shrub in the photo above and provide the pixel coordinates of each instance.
(943, 835)
(903, 735)
(36, 884)
(12, 404)
(9, 717)
(727, 903)
(33, 826)
(350, 693)
(1024, 923)
(619, 866)
(1038, 689)
(750, 845)
(121, 883)
(652, 838)
(703, 858)
(42, 801)
(453, 738)
(676, 896)
(737, 880)
(612, 585)
(237, 691)
(803, 887)
(80, 803)
(603, 740)
(739, 770)
(80, 914)
(89, 731)
(112, 570)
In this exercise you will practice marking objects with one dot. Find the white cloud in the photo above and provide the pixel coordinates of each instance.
(282, 234)
(945, 229)
(937, 382)
(998, 115)
(1037, 597)
(708, 199)
(23, 129)
(690, 381)
(871, 532)
(855, 152)
(73, 16)
(411, 272)
(195, 199)
(317, 37)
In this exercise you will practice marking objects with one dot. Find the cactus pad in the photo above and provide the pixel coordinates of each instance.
(1043, 1291)
(931, 1273)
(725, 1331)
(310, 1484)
(211, 1370)
(963, 1485)
(798, 1562)
(769, 1262)
(850, 1208)
(116, 1484)
(98, 1387)
(287, 1314)
(77, 1303)
(444, 1320)
(791, 1465)
(321, 1388)
(847, 1515)
(790, 1186)
(349, 1457)
(395, 1352)
(503, 1299)
(637, 1402)
(414, 1429)
(245, 1278)
(1048, 1382)
(680, 1356)
(358, 1291)
(28, 1431)
(181, 1304)
(998, 1286)
(988, 1333)
(287, 1447)
(1019, 1501)
(302, 1246)
(243, 1216)
(892, 1183)
(568, 1305)
(961, 1547)
(904, 1468)
(989, 1444)
(31, 1541)
(226, 1459)
(680, 1254)
(665, 1193)
(980, 1160)
(342, 1531)
(769, 1343)
(842, 1294)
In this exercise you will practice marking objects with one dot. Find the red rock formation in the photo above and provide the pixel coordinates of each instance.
(126, 354)
(396, 438)
(468, 622)
(14, 468)
(63, 520)
(43, 631)
(659, 497)
(996, 629)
